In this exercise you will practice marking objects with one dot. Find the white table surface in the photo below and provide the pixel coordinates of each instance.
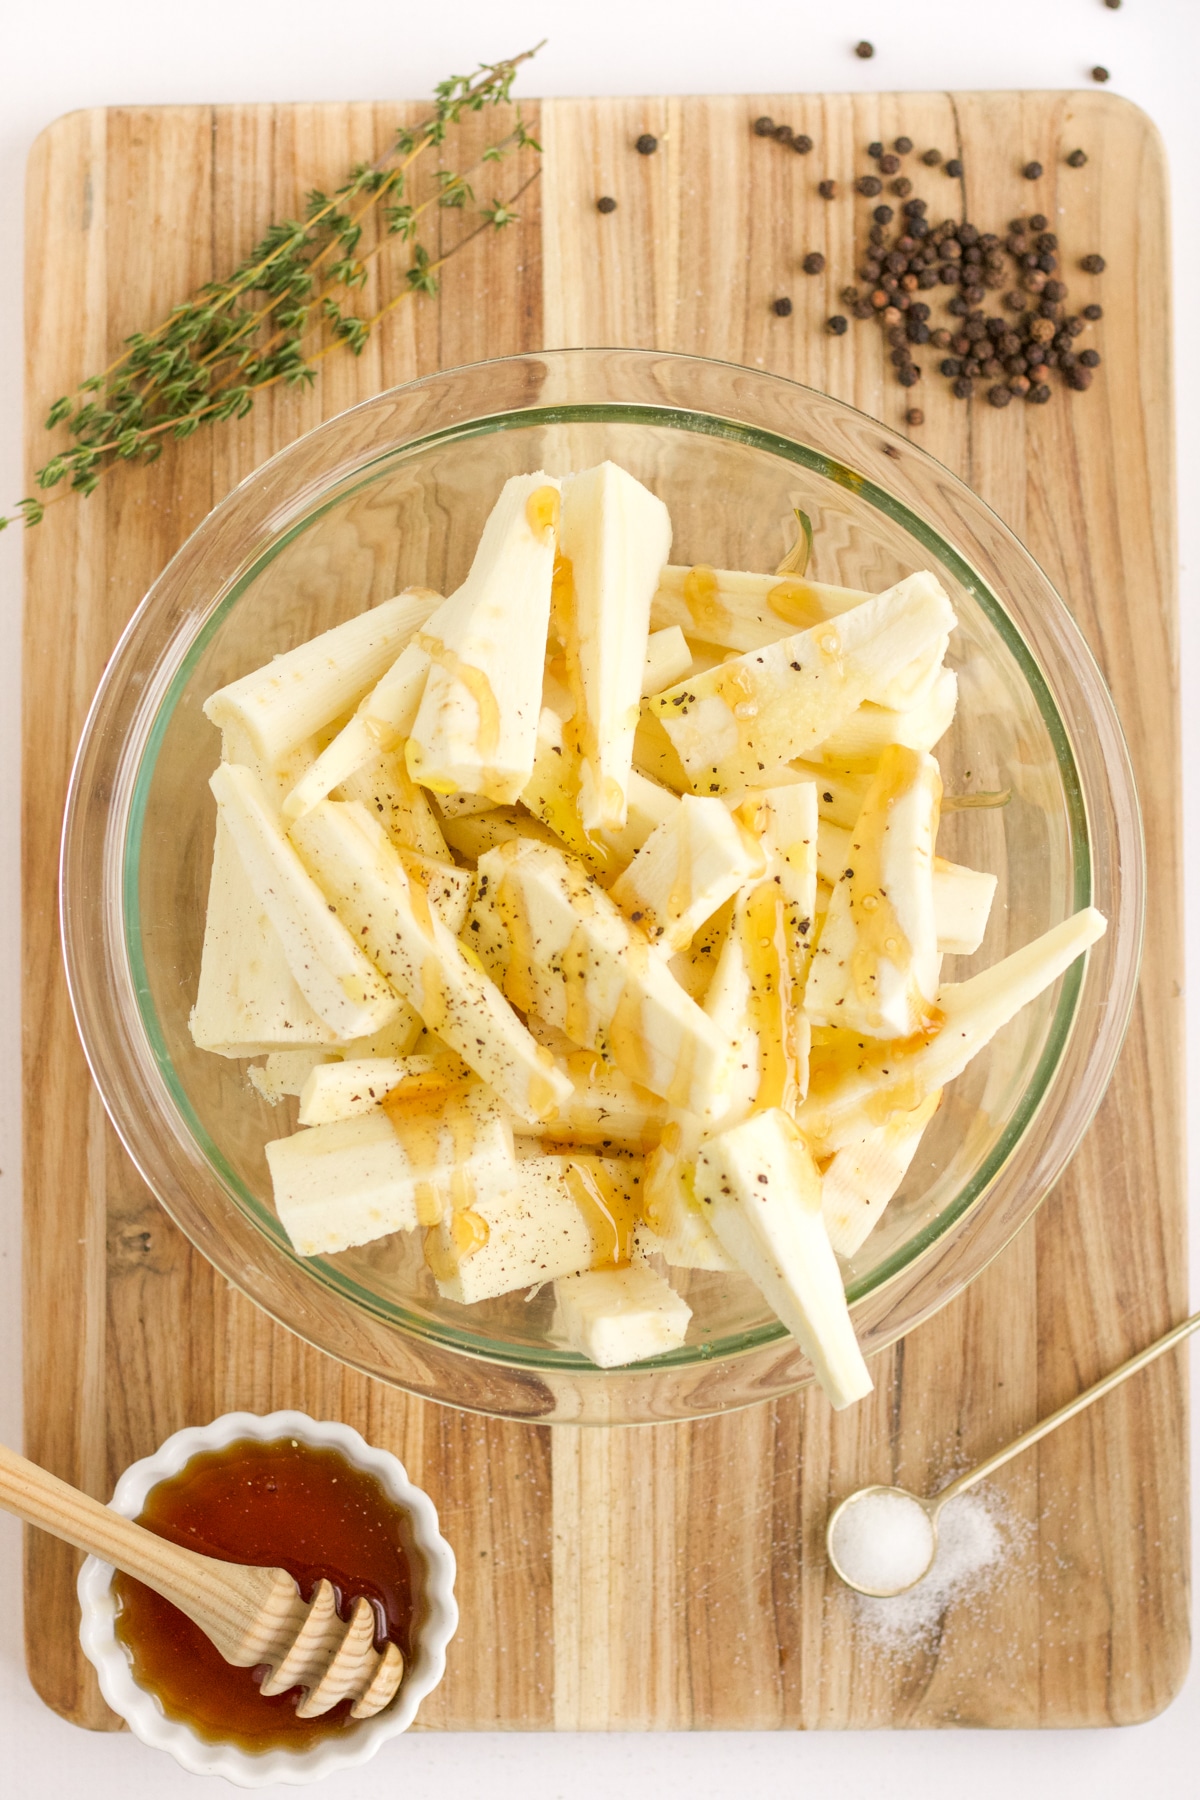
(56, 57)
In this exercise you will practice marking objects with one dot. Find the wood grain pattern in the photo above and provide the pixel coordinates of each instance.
(669, 1576)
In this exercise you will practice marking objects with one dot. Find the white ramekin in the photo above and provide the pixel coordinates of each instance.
(434, 1583)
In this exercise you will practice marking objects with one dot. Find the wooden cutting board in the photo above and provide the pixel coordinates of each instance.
(668, 1576)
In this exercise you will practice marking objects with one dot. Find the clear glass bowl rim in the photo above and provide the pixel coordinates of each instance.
(175, 639)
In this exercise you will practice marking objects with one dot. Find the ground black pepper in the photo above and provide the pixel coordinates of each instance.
(606, 204)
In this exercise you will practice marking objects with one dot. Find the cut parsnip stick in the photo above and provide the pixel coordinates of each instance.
(741, 611)
(649, 806)
(383, 721)
(247, 1000)
(655, 755)
(447, 886)
(605, 1108)
(359, 1179)
(476, 726)
(614, 539)
(333, 974)
(668, 660)
(962, 902)
(685, 870)
(619, 1316)
(552, 791)
(863, 1177)
(473, 836)
(344, 1090)
(547, 1216)
(856, 1083)
(861, 741)
(361, 874)
(778, 703)
(284, 1072)
(390, 795)
(282, 704)
(762, 1192)
(876, 965)
(557, 945)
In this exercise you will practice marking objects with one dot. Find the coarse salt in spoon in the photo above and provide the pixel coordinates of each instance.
(882, 1540)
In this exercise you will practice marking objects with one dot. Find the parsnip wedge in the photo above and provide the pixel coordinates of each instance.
(860, 742)
(615, 537)
(557, 945)
(546, 1217)
(384, 718)
(742, 611)
(282, 704)
(605, 1108)
(876, 965)
(856, 1082)
(363, 1178)
(284, 1072)
(474, 835)
(773, 705)
(389, 793)
(476, 726)
(247, 999)
(762, 1192)
(685, 870)
(344, 1090)
(863, 1177)
(361, 874)
(620, 1316)
(962, 902)
(333, 974)
(668, 660)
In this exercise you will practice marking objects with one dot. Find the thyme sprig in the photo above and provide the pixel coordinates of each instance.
(287, 305)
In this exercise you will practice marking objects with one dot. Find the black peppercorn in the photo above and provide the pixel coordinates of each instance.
(999, 395)
(827, 190)
(919, 310)
(875, 150)
(1099, 73)
(1055, 290)
(1079, 378)
(870, 270)
(941, 338)
(1047, 241)
(1093, 311)
(764, 127)
(837, 325)
(802, 143)
(967, 235)
(902, 145)
(1032, 172)
(1095, 265)
(1073, 327)
(1039, 394)
(1077, 159)
(870, 185)
(864, 49)
(901, 187)
(1038, 222)
(862, 309)
(782, 132)
(889, 165)
(964, 387)
(958, 305)
(782, 306)
(1047, 263)
(1112, 5)
(918, 227)
(910, 374)
(1014, 300)
(901, 357)
(1090, 359)
(647, 144)
(883, 215)
(914, 416)
(814, 263)
(954, 167)
(876, 235)
(606, 204)
(951, 365)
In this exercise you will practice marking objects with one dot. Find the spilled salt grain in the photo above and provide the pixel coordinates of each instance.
(973, 1541)
(883, 1540)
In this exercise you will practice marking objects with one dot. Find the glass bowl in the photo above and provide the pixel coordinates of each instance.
(396, 492)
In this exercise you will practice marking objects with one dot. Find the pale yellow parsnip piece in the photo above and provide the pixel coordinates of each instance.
(686, 869)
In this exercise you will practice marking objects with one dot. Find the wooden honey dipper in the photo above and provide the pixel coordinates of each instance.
(252, 1615)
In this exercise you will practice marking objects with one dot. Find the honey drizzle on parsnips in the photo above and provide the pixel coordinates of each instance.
(701, 596)
(879, 936)
(610, 1212)
(761, 922)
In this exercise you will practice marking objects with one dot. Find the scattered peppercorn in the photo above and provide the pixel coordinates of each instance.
(1094, 265)
(1090, 359)
(902, 186)
(964, 387)
(1093, 311)
(1032, 172)
(782, 306)
(932, 158)
(883, 215)
(1038, 222)
(865, 50)
(606, 204)
(1079, 378)
(1077, 159)
(1112, 5)
(814, 263)
(1099, 73)
(954, 167)
(869, 185)
(837, 325)
(910, 374)
(903, 145)
(889, 165)
(999, 396)
(802, 143)
(764, 127)
(782, 132)
(875, 150)
(914, 416)
(647, 144)
(827, 190)
(1039, 394)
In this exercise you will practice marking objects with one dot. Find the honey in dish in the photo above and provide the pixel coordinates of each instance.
(284, 1505)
